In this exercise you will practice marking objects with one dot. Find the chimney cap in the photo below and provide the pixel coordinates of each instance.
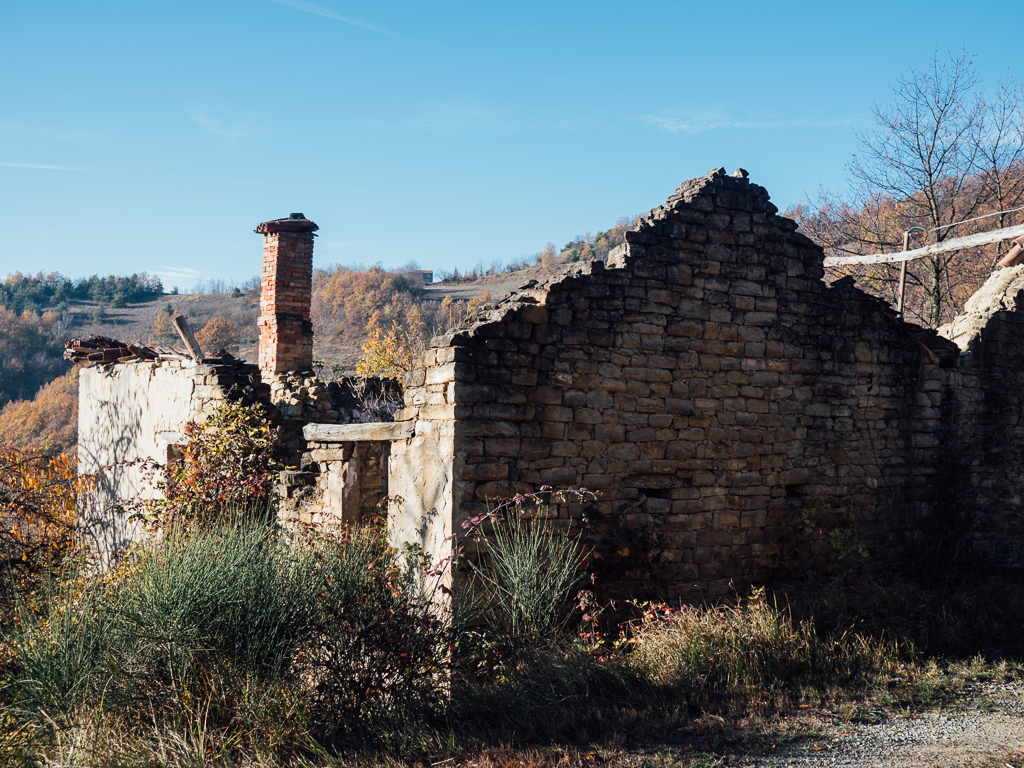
(296, 222)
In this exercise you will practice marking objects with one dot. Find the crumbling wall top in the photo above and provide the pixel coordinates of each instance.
(1000, 293)
(296, 222)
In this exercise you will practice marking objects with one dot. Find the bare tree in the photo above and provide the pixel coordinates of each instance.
(924, 155)
(942, 154)
(1000, 138)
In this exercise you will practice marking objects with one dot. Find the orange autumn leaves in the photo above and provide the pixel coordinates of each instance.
(38, 515)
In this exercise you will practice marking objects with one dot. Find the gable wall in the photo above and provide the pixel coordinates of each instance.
(706, 383)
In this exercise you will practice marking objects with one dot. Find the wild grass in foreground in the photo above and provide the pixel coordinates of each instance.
(243, 645)
(238, 634)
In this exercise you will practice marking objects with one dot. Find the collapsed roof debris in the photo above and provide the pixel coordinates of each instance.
(100, 349)
(97, 350)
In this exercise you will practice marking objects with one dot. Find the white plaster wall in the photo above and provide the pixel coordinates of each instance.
(122, 410)
(420, 472)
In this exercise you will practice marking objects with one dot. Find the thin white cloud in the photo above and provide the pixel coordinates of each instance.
(327, 13)
(323, 242)
(78, 137)
(41, 167)
(222, 122)
(699, 120)
(181, 277)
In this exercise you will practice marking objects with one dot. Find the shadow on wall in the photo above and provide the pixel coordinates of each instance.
(101, 519)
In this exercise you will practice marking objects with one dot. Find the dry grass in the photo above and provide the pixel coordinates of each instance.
(684, 686)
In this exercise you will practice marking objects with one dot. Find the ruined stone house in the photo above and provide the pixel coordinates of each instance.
(704, 385)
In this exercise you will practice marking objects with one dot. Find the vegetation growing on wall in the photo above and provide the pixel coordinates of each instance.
(229, 462)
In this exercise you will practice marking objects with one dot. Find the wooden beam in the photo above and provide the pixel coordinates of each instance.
(181, 326)
(956, 244)
(352, 433)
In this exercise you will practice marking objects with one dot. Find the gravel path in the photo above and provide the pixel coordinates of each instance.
(987, 731)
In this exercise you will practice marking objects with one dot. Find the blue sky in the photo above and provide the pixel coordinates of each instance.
(155, 135)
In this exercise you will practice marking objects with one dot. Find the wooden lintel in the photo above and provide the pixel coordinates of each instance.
(956, 244)
(358, 433)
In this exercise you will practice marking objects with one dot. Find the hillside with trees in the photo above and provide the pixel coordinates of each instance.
(31, 352)
(596, 247)
(20, 292)
(48, 423)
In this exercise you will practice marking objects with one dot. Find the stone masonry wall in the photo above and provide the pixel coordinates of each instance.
(339, 482)
(705, 384)
(731, 417)
(334, 481)
(981, 498)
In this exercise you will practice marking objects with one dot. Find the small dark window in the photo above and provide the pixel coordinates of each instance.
(656, 493)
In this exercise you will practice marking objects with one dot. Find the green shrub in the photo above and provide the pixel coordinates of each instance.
(206, 621)
(379, 658)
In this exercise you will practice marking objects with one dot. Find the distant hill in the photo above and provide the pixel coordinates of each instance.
(37, 312)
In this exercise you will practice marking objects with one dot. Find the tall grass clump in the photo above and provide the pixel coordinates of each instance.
(269, 637)
(524, 581)
(523, 672)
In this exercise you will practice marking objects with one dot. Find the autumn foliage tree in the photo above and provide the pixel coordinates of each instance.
(38, 517)
(347, 303)
(547, 257)
(163, 332)
(31, 352)
(388, 354)
(386, 309)
(219, 333)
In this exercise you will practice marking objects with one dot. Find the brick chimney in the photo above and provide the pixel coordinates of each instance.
(286, 332)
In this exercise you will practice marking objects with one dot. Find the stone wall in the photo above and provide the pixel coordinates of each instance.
(731, 417)
(981, 495)
(339, 482)
(705, 384)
